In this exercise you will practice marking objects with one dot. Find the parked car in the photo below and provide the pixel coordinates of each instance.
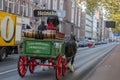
(104, 42)
(86, 43)
(91, 43)
(82, 43)
(98, 43)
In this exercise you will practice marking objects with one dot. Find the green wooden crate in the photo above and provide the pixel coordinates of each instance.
(42, 48)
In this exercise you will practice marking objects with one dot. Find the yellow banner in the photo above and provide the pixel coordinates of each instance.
(7, 29)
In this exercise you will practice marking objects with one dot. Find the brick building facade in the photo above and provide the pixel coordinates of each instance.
(25, 8)
(70, 22)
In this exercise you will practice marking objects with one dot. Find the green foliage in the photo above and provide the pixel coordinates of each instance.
(112, 8)
(91, 5)
(117, 29)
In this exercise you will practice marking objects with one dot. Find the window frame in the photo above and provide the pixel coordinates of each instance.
(1, 8)
(13, 7)
(18, 7)
(31, 11)
(26, 7)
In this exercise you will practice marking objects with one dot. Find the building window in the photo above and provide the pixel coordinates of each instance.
(23, 9)
(10, 7)
(61, 5)
(26, 9)
(1, 4)
(43, 4)
(72, 12)
(79, 17)
(13, 7)
(31, 11)
(18, 10)
(55, 5)
(49, 3)
(76, 12)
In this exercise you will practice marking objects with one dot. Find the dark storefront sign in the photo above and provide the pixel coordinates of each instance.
(40, 13)
(110, 24)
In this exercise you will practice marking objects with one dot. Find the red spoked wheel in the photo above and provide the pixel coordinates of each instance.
(64, 67)
(32, 65)
(22, 65)
(59, 67)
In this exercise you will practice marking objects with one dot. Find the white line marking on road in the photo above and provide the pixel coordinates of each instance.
(5, 72)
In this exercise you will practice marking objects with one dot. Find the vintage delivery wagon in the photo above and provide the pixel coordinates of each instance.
(50, 49)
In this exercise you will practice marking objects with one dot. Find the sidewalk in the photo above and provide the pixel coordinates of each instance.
(108, 69)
